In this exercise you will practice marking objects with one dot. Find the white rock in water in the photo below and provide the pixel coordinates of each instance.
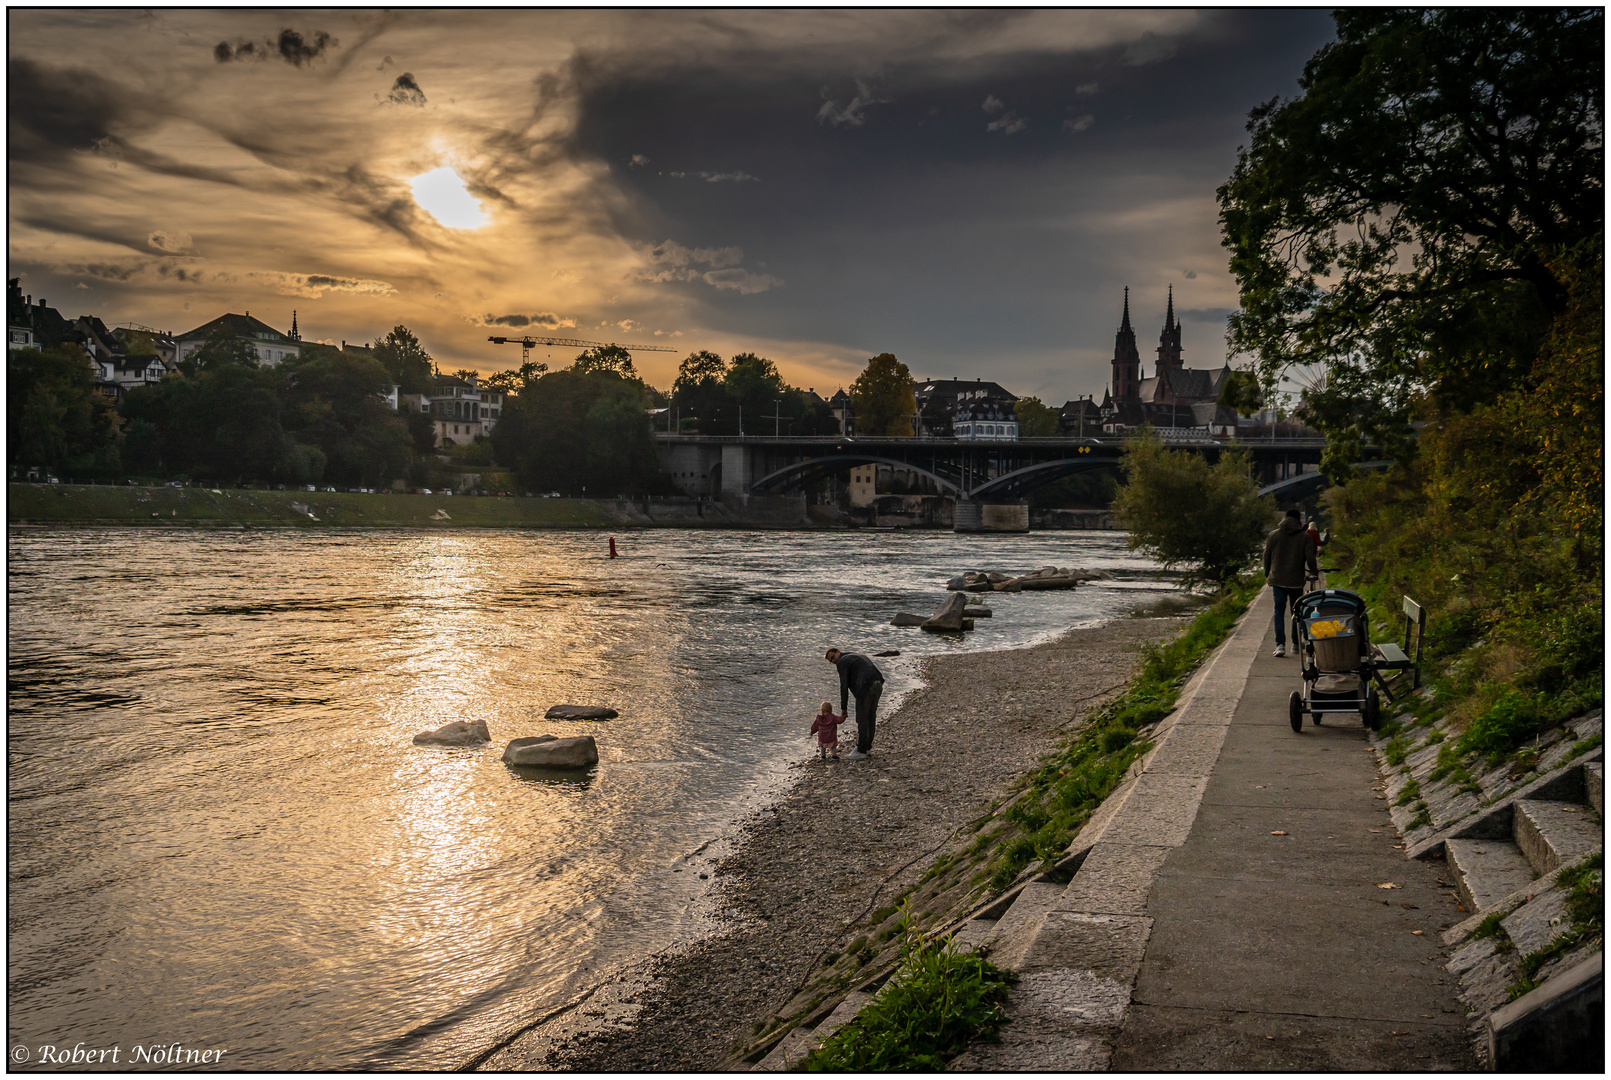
(575, 753)
(458, 733)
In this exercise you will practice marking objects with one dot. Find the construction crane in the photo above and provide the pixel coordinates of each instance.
(526, 344)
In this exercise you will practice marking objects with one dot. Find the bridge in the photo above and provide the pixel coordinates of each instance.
(733, 468)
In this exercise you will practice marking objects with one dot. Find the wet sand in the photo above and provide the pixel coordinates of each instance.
(847, 838)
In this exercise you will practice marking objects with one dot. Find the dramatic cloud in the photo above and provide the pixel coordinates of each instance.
(546, 320)
(290, 46)
(899, 222)
(405, 91)
(174, 243)
(313, 286)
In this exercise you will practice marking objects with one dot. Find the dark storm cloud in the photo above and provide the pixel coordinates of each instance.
(543, 319)
(54, 111)
(405, 91)
(290, 46)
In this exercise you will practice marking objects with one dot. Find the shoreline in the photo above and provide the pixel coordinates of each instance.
(803, 874)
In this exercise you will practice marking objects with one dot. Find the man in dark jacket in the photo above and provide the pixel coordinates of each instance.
(860, 676)
(1287, 552)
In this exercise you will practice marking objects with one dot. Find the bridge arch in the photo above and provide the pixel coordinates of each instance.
(1300, 487)
(804, 471)
(1019, 482)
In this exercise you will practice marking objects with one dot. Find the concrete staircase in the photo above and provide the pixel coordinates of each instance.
(1504, 863)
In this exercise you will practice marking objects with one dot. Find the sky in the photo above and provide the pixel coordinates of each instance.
(969, 190)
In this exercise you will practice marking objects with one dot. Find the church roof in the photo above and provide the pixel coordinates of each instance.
(242, 326)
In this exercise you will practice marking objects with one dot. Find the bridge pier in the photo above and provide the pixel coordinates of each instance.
(976, 517)
(737, 465)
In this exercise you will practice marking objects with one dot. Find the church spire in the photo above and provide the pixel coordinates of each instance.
(295, 336)
(1125, 325)
(1169, 340)
(1169, 318)
(1126, 358)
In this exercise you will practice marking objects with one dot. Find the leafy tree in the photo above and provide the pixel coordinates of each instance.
(700, 389)
(1403, 220)
(406, 361)
(135, 342)
(466, 374)
(514, 380)
(1206, 521)
(222, 348)
(1243, 392)
(334, 403)
(882, 397)
(580, 432)
(610, 357)
(754, 385)
(1036, 420)
(55, 417)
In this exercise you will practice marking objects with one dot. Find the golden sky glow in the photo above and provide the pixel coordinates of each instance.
(968, 190)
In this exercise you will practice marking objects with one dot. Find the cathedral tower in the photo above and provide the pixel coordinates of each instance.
(1169, 340)
(1126, 359)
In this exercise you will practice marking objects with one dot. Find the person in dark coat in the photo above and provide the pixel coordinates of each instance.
(861, 677)
(1287, 552)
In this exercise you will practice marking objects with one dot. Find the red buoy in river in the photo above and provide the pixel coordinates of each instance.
(612, 547)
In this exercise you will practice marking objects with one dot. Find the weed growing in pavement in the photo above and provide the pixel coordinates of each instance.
(939, 1000)
(1071, 783)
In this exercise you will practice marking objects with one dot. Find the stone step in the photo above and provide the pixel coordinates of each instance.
(1487, 871)
(1594, 785)
(789, 1053)
(1538, 922)
(1554, 834)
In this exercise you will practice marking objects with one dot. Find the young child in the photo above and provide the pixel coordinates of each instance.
(826, 728)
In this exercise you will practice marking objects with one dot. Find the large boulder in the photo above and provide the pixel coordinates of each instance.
(553, 752)
(458, 733)
(957, 584)
(906, 618)
(580, 712)
(949, 618)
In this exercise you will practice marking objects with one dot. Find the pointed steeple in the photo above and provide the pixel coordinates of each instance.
(295, 335)
(1126, 358)
(1169, 340)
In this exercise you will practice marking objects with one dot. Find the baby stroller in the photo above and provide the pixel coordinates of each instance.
(1332, 635)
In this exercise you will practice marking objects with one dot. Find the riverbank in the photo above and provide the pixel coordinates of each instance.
(810, 875)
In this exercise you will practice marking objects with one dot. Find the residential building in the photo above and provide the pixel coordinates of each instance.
(271, 346)
(985, 421)
(1079, 418)
(938, 400)
(462, 409)
(30, 325)
(116, 370)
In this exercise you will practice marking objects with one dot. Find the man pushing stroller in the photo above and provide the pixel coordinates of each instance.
(1288, 552)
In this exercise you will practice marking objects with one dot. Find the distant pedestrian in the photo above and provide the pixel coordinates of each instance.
(861, 677)
(1314, 535)
(1287, 552)
(826, 728)
(612, 547)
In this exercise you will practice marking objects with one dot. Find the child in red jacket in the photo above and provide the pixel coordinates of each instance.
(826, 728)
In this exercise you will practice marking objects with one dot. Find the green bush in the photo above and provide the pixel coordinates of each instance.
(938, 1001)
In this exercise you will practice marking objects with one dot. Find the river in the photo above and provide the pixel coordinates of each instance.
(221, 835)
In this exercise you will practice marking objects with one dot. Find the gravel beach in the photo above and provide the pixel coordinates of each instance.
(848, 837)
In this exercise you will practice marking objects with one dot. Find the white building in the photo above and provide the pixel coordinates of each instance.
(986, 422)
(271, 346)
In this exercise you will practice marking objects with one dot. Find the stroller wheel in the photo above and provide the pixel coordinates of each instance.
(1295, 710)
(1373, 710)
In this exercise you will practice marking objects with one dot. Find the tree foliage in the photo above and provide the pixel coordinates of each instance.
(406, 361)
(580, 433)
(610, 357)
(514, 380)
(1402, 221)
(882, 397)
(1036, 420)
(1205, 520)
(54, 416)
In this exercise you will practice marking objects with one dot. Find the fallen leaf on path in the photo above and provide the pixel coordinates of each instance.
(1278, 832)
(1417, 933)
(1387, 885)
(1462, 907)
(1375, 830)
(1410, 907)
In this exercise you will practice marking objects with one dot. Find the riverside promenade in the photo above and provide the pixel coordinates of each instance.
(1242, 903)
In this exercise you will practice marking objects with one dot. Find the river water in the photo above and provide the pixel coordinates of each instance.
(221, 835)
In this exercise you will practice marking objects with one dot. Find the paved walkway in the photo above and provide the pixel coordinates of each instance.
(1273, 945)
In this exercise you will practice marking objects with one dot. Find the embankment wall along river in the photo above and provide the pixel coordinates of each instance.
(221, 835)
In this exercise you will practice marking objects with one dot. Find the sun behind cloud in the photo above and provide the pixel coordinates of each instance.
(442, 194)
